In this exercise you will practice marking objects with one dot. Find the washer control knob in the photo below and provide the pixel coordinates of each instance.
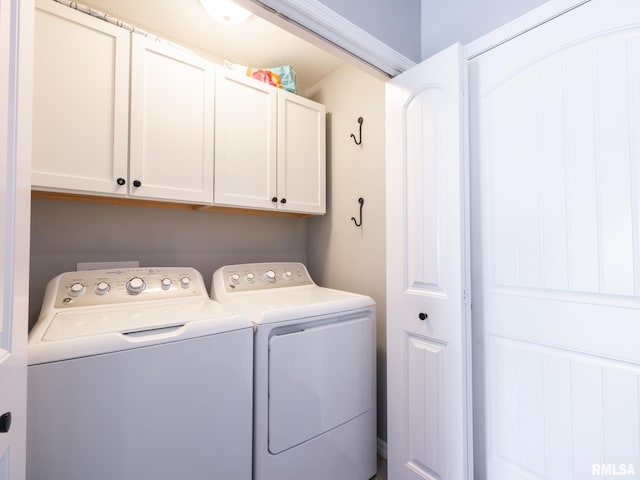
(287, 275)
(76, 289)
(102, 288)
(185, 282)
(165, 283)
(135, 285)
(235, 279)
(270, 276)
(250, 277)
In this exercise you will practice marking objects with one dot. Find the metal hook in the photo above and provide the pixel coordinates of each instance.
(361, 202)
(358, 142)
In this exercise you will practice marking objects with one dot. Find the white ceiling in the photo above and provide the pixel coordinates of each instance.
(255, 43)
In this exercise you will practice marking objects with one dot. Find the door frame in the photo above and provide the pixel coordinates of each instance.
(17, 195)
(518, 26)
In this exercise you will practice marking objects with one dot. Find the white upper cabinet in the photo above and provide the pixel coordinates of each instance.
(83, 141)
(122, 114)
(246, 142)
(80, 102)
(270, 147)
(301, 154)
(172, 114)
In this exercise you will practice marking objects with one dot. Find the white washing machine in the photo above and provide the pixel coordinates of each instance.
(314, 372)
(137, 374)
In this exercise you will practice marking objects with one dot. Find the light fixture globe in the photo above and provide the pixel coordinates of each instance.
(225, 11)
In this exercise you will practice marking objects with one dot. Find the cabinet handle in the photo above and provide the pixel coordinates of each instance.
(274, 199)
(423, 316)
(137, 183)
(284, 200)
(5, 422)
(121, 181)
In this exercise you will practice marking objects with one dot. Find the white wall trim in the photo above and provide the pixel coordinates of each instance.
(520, 25)
(319, 19)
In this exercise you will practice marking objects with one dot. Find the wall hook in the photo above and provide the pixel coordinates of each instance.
(358, 142)
(361, 202)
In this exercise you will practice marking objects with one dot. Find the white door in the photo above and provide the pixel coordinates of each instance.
(15, 117)
(81, 102)
(246, 142)
(428, 336)
(172, 119)
(301, 154)
(555, 148)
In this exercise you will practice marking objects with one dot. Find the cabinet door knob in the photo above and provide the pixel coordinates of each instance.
(5, 422)
(423, 316)
(121, 181)
(137, 183)
(284, 200)
(274, 199)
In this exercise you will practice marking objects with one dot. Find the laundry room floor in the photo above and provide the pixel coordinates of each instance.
(382, 469)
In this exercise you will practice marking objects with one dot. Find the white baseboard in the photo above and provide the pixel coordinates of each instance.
(382, 448)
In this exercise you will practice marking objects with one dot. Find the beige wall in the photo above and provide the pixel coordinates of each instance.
(339, 254)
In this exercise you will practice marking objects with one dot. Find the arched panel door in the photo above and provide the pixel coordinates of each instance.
(428, 336)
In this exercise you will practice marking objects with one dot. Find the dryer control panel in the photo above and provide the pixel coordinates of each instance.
(113, 286)
(261, 276)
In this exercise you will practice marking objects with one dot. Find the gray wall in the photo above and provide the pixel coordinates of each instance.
(64, 233)
(444, 23)
(394, 22)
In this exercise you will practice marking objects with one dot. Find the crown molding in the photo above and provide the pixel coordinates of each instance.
(323, 22)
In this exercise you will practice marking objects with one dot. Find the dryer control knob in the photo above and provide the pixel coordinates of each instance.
(185, 282)
(270, 276)
(135, 285)
(102, 288)
(287, 275)
(76, 289)
(165, 283)
(250, 277)
(235, 279)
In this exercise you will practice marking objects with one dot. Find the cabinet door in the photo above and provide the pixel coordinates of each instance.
(301, 154)
(245, 160)
(80, 101)
(172, 109)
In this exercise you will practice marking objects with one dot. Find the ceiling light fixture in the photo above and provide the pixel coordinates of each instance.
(225, 11)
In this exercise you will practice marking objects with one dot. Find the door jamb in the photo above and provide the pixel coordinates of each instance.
(520, 25)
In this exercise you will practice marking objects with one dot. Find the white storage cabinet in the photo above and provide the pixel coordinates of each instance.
(172, 106)
(80, 102)
(270, 148)
(82, 97)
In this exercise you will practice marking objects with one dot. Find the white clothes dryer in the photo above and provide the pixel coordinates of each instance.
(137, 374)
(314, 372)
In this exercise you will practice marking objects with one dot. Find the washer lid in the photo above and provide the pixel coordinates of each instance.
(132, 318)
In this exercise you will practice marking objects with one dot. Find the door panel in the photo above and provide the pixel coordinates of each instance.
(172, 122)
(245, 109)
(555, 153)
(79, 145)
(427, 332)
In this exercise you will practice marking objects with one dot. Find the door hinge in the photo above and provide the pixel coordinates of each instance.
(466, 297)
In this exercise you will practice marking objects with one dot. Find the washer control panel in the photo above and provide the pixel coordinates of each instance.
(113, 286)
(260, 276)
